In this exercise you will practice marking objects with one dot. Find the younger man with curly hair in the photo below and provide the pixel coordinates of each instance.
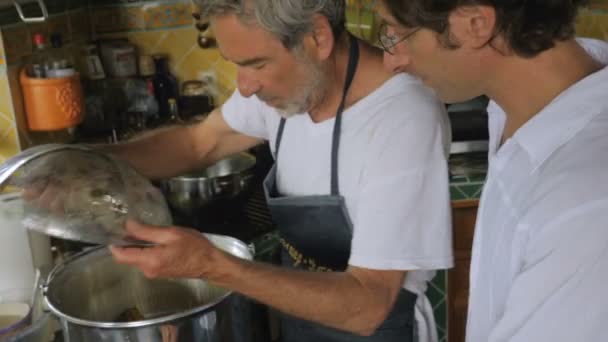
(540, 253)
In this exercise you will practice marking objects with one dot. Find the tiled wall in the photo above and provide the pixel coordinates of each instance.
(157, 27)
(70, 18)
(9, 143)
(161, 28)
(593, 22)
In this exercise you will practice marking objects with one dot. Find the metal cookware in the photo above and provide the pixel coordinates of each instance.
(85, 195)
(12, 164)
(97, 299)
(223, 180)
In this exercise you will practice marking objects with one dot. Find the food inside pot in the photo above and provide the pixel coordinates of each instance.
(130, 315)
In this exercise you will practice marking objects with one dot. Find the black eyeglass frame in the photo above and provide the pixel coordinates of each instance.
(384, 39)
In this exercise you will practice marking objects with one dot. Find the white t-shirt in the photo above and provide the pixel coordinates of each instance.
(540, 254)
(392, 172)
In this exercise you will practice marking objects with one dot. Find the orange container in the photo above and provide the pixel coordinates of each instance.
(52, 103)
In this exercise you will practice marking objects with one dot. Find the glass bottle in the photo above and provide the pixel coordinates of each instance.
(165, 87)
(38, 63)
(61, 64)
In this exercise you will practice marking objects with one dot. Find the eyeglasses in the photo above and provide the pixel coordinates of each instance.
(388, 42)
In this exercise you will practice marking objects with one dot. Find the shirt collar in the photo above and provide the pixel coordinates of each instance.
(563, 118)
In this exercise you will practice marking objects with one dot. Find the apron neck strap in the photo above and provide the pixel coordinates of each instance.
(353, 61)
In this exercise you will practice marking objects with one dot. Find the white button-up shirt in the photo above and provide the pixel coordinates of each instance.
(539, 269)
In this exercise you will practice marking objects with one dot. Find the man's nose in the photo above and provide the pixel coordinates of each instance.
(247, 85)
(396, 63)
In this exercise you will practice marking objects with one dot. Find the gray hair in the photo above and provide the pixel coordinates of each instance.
(289, 20)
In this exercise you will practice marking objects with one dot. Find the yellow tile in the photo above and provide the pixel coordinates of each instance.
(196, 61)
(9, 144)
(362, 23)
(178, 43)
(593, 24)
(6, 105)
(112, 19)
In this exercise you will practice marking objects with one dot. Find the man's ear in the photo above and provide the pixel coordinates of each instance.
(473, 26)
(322, 38)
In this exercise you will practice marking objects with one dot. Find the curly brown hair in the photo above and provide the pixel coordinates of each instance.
(529, 26)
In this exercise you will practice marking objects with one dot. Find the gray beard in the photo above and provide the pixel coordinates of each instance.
(312, 94)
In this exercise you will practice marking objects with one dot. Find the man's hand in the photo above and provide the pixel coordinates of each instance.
(178, 252)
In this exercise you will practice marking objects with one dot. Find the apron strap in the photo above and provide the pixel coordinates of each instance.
(277, 143)
(353, 61)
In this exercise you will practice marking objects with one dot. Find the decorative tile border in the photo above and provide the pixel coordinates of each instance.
(598, 5)
(121, 17)
(162, 16)
(113, 19)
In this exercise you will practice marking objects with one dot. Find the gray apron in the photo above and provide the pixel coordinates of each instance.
(316, 234)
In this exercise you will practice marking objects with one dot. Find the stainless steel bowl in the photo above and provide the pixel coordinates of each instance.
(223, 180)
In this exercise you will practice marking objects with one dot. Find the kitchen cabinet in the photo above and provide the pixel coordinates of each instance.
(464, 213)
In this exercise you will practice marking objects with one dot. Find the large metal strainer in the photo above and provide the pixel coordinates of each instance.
(78, 193)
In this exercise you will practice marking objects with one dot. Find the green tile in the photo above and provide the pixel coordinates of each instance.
(456, 194)
(469, 191)
(436, 294)
(441, 316)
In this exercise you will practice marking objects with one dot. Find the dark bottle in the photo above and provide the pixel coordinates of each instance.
(62, 64)
(165, 87)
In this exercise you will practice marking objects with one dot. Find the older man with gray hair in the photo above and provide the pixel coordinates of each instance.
(359, 191)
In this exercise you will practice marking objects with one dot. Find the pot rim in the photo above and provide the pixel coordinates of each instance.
(136, 324)
(141, 323)
(192, 178)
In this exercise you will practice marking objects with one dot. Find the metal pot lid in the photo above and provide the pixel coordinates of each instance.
(74, 192)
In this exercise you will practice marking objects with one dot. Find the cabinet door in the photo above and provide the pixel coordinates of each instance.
(463, 220)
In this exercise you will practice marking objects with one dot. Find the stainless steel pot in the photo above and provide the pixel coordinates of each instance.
(97, 299)
(223, 180)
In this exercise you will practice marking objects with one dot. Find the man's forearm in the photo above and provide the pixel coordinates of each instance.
(159, 154)
(335, 299)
